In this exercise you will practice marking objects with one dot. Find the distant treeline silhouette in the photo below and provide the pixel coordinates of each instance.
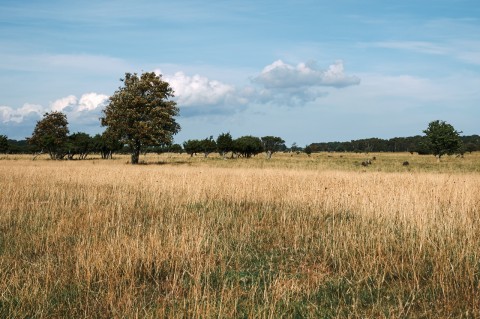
(414, 144)
(417, 144)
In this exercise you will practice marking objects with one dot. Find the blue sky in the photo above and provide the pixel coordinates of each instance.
(307, 71)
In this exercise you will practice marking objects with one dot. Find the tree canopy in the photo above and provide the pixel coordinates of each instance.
(442, 138)
(141, 113)
(272, 144)
(51, 134)
(247, 146)
(224, 144)
(4, 145)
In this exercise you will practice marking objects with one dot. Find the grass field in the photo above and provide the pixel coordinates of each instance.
(294, 236)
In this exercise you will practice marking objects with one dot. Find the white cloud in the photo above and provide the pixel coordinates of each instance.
(279, 75)
(198, 90)
(63, 103)
(72, 105)
(92, 101)
(200, 95)
(9, 114)
(278, 83)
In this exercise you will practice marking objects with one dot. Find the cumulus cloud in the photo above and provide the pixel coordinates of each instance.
(9, 114)
(87, 102)
(199, 95)
(280, 75)
(64, 103)
(295, 85)
(278, 83)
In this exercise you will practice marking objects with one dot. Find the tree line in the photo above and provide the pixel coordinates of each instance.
(413, 144)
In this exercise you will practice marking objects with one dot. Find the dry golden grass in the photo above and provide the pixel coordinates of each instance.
(296, 236)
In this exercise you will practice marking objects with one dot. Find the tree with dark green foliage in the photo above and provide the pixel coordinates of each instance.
(247, 146)
(51, 134)
(224, 144)
(442, 138)
(208, 146)
(106, 144)
(141, 113)
(4, 145)
(272, 144)
(192, 147)
(80, 144)
(308, 150)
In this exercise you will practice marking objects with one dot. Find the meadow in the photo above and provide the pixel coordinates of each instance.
(193, 237)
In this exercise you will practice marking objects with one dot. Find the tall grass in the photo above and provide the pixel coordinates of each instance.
(212, 238)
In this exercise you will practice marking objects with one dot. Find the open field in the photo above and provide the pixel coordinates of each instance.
(296, 236)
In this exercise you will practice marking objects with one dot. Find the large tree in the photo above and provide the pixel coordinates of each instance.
(142, 113)
(51, 134)
(442, 138)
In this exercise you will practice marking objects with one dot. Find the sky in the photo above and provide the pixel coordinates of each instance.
(305, 70)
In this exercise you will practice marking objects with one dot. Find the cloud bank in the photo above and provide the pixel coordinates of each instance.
(200, 95)
(278, 83)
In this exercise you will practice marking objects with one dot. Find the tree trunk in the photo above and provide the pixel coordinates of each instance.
(136, 152)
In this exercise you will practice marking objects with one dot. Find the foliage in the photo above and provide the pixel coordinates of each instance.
(4, 145)
(51, 134)
(247, 146)
(224, 144)
(295, 148)
(192, 147)
(308, 150)
(208, 146)
(106, 144)
(442, 138)
(272, 144)
(141, 114)
(80, 144)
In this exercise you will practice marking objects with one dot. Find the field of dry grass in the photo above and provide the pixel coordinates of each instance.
(296, 236)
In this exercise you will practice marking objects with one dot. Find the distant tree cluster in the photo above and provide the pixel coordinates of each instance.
(51, 136)
(244, 146)
(440, 138)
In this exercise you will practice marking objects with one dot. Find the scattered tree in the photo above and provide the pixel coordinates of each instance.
(295, 148)
(4, 145)
(141, 114)
(224, 144)
(208, 146)
(51, 134)
(192, 147)
(106, 144)
(247, 146)
(272, 144)
(308, 150)
(442, 138)
(80, 144)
